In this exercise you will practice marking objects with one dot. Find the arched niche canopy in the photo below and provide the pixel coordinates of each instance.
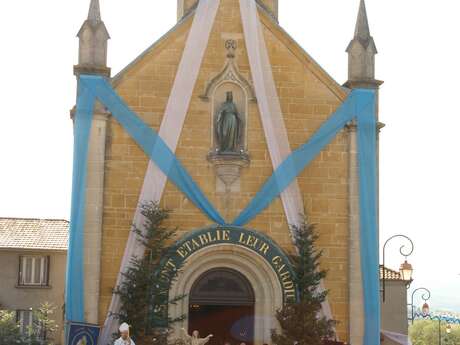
(230, 80)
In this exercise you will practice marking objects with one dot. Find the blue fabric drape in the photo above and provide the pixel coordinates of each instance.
(285, 174)
(74, 307)
(360, 105)
(367, 160)
(151, 143)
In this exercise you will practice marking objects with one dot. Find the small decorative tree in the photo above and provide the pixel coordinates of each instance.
(301, 321)
(44, 326)
(144, 294)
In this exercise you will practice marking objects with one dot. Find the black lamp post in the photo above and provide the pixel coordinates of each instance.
(405, 269)
(448, 331)
(425, 308)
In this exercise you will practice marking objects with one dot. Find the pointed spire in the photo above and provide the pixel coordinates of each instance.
(94, 14)
(93, 35)
(362, 31)
(361, 53)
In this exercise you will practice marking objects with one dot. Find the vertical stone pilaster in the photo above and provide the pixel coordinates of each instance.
(361, 74)
(94, 213)
(92, 59)
(356, 312)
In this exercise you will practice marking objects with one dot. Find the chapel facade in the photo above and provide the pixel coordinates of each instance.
(230, 273)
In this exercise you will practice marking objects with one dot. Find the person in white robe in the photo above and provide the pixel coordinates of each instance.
(124, 336)
(194, 339)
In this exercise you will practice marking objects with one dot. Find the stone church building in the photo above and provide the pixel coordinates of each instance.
(229, 274)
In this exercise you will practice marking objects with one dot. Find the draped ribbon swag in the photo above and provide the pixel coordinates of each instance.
(170, 129)
(360, 105)
(271, 114)
(74, 278)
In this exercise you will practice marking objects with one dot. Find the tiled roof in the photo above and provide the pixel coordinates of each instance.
(26, 233)
(389, 274)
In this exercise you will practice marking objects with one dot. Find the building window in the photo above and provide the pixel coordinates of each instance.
(28, 324)
(25, 321)
(33, 270)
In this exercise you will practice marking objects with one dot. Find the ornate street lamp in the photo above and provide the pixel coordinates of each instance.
(449, 329)
(425, 308)
(405, 269)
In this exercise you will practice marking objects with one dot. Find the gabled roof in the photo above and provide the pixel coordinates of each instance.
(38, 234)
(389, 274)
(303, 56)
(272, 25)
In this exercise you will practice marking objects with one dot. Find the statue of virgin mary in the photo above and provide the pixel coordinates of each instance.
(228, 127)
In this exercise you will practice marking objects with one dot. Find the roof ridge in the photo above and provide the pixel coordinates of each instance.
(34, 233)
(33, 218)
(388, 269)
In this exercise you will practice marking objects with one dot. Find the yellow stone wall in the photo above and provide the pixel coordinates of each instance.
(307, 98)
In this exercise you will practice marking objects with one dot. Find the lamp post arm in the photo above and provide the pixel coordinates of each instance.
(403, 252)
(402, 248)
(425, 296)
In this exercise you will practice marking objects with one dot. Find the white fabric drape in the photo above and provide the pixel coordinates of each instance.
(402, 339)
(176, 111)
(170, 129)
(270, 111)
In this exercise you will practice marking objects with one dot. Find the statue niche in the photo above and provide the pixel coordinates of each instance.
(229, 128)
(229, 94)
(228, 153)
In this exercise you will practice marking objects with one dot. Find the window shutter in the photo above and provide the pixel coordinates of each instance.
(47, 273)
(20, 276)
(28, 267)
(38, 265)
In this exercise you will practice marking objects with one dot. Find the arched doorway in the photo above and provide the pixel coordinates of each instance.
(222, 302)
(263, 279)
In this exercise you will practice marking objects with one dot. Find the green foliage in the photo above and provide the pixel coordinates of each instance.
(301, 321)
(426, 332)
(10, 332)
(44, 326)
(144, 294)
(41, 333)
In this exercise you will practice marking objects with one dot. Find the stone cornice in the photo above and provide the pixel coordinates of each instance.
(92, 70)
(352, 126)
(363, 84)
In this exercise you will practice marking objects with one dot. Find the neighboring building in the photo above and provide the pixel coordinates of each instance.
(233, 280)
(33, 256)
(394, 310)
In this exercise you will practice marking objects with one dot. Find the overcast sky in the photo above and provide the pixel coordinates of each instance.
(418, 59)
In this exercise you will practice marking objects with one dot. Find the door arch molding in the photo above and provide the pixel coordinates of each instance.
(268, 293)
(222, 286)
